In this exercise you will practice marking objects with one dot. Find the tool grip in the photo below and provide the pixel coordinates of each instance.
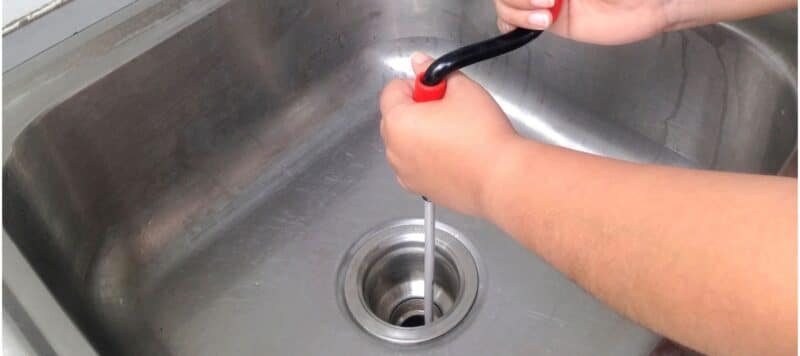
(432, 84)
(423, 92)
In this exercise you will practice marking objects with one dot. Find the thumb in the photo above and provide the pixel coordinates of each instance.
(397, 93)
(420, 62)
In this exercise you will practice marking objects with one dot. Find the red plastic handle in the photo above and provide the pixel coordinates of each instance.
(556, 10)
(423, 93)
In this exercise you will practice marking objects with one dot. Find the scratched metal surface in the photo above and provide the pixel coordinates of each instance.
(199, 199)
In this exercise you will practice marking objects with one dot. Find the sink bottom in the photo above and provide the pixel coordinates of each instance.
(277, 260)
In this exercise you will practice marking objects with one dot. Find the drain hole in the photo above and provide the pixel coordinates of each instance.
(394, 284)
(411, 313)
(414, 321)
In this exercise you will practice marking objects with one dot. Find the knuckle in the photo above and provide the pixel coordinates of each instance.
(383, 128)
(503, 11)
(383, 132)
(401, 182)
(503, 26)
(391, 158)
(462, 82)
(518, 4)
(511, 16)
(393, 122)
(387, 124)
(389, 91)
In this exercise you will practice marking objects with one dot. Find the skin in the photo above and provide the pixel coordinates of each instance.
(614, 22)
(724, 243)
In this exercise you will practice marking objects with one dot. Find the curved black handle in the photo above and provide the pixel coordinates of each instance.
(477, 52)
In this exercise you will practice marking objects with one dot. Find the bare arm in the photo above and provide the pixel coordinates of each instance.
(705, 258)
(691, 13)
(624, 21)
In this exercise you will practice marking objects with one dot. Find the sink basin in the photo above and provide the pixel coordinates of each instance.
(200, 197)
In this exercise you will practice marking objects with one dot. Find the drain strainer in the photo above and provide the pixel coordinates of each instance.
(383, 282)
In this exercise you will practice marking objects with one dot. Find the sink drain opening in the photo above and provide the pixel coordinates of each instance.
(394, 280)
(383, 282)
(411, 313)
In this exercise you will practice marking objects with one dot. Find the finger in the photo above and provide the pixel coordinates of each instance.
(504, 27)
(527, 4)
(538, 19)
(420, 62)
(403, 185)
(390, 157)
(383, 129)
(543, 3)
(396, 93)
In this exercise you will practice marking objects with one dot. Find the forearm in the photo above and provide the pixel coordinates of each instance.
(690, 13)
(705, 258)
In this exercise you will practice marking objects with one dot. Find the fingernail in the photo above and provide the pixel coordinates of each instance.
(419, 57)
(543, 3)
(539, 19)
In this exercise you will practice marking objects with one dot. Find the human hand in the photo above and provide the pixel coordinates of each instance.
(446, 150)
(606, 22)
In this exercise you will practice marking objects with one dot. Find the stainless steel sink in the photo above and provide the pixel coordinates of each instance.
(199, 197)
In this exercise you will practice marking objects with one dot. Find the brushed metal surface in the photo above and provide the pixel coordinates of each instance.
(199, 198)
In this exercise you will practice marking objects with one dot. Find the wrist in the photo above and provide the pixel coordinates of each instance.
(510, 158)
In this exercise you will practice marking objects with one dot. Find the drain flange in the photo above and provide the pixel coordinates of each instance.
(383, 283)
